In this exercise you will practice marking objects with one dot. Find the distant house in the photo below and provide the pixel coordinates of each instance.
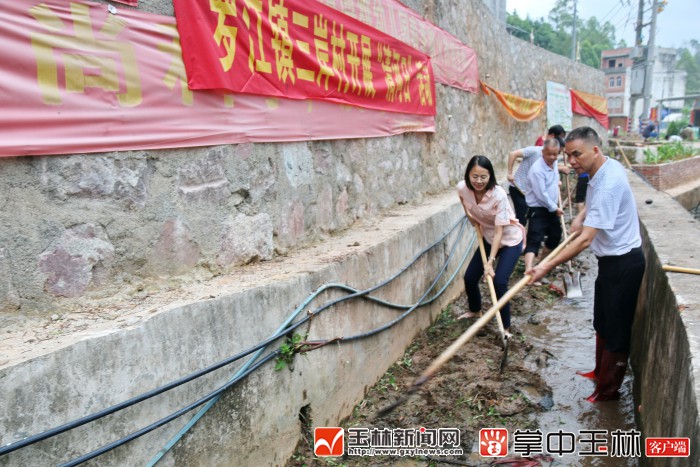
(623, 78)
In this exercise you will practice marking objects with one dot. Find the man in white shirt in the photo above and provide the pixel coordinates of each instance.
(541, 197)
(609, 224)
(518, 181)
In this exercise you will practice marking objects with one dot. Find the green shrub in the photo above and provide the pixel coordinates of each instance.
(669, 152)
(674, 128)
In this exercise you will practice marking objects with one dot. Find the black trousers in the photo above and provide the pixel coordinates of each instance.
(615, 301)
(544, 225)
(519, 204)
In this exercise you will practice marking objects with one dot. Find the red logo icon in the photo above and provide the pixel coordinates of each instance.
(493, 442)
(667, 447)
(329, 441)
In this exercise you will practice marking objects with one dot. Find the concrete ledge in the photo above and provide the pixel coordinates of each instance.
(687, 195)
(666, 336)
(256, 423)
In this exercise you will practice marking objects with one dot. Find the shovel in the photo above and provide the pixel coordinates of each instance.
(572, 279)
(489, 280)
(450, 352)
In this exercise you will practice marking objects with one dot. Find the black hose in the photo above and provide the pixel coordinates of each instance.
(135, 400)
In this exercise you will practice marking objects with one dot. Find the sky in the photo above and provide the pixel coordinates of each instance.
(676, 25)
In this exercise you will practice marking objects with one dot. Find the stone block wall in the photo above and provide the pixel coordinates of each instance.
(93, 226)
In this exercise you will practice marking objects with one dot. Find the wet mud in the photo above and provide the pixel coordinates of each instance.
(553, 337)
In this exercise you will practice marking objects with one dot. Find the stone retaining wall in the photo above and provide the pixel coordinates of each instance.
(666, 335)
(95, 226)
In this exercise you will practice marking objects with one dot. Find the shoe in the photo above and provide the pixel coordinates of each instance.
(599, 346)
(613, 366)
(470, 314)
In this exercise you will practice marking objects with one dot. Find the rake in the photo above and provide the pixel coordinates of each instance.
(450, 352)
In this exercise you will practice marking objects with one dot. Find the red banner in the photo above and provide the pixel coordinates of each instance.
(454, 64)
(590, 105)
(301, 49)
(75, 78)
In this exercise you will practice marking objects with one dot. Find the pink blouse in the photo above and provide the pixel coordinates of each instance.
(494, 209)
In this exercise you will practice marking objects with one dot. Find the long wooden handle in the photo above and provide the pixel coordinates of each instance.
(568, 194)
(448, 353)
(622, 151)
(564, 232)
(489, 281)
(666, 267)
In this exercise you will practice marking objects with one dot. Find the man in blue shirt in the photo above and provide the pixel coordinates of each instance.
(609, 224)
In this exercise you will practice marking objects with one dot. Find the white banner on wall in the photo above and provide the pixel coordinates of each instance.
(559, 106)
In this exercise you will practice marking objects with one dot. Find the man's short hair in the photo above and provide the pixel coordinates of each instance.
(552, 143)
(585, 133)
(556, 130)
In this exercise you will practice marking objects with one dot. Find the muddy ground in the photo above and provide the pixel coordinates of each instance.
(468, 392)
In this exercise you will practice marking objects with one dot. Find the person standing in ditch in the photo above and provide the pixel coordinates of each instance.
(519, 182)
(486, 204)
(542, 209)
(609, 224)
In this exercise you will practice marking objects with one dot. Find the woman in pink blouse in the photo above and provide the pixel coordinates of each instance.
(486, 204)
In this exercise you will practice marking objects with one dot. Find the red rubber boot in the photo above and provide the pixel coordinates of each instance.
(599, 346)
(613, 366)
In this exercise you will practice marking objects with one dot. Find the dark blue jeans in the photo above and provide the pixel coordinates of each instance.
(506, 258)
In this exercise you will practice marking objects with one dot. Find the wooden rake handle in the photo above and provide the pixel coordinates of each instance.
(624, 156)
(448, 353)
(563, 228)
(489, 281)
(666, 267)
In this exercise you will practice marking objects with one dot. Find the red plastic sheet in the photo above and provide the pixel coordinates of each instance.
(75, 78)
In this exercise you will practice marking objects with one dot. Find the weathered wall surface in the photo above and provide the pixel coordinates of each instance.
(92, 225)
(257, 422)
(670, 174)
(666, 335)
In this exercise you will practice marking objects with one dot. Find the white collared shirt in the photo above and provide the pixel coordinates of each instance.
(610, 208)
(543, 186)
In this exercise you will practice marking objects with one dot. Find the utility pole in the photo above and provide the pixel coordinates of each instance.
(632, 122)
(648, 77)
(573, 36)
(640, 23)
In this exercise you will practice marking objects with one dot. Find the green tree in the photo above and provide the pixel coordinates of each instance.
(689, 60)
(554, 34)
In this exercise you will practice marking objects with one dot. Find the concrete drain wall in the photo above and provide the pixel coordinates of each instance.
(666, 340)
(256, 423)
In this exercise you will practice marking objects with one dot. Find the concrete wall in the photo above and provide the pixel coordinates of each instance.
(256, 423)
(91, 226)
(666, 336)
